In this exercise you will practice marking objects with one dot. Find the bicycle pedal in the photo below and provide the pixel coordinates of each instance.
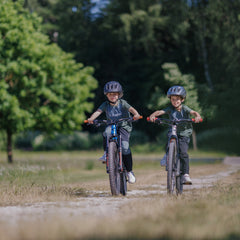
(187, 183)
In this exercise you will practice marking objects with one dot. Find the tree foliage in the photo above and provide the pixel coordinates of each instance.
(130, 41)
(41, 87)
(173, 76)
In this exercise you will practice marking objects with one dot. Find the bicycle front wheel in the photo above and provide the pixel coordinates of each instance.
(171, 174)
(114, 174)
(123, 183)
(179, 185)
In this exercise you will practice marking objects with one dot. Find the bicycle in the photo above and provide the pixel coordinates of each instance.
(114, 164)
(174, 175)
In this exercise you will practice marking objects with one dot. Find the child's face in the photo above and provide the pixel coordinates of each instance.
(176, 101)
(113, 97)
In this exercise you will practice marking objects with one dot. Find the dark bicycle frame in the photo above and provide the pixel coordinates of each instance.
(116, 137)
(173, 137)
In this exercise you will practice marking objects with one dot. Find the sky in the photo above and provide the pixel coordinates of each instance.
(99, 4)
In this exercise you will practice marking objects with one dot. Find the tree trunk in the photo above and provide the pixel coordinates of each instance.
(204, 52)
(205, 63)
(9, 146)
(194, 138)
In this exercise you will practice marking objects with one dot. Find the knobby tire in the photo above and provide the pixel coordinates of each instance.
(171, 174)
(114, 174)
(123, 183)
(179, 185)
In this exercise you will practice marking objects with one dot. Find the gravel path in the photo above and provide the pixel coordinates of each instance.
(95, 203)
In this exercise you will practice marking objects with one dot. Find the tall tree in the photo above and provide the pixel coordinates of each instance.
(41, 87)
(215, 27)
(146, 39)
(44, 8)
(128, 42)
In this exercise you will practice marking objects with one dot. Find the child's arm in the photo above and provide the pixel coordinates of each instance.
(156, 114)
(134, 112)
(196, 115)
(94, 116)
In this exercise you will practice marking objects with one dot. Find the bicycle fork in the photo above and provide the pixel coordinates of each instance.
(177, 163)
(115, 138)
(176, 166)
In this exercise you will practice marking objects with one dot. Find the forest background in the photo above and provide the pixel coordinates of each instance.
(147, 46)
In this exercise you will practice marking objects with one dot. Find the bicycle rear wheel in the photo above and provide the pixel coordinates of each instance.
(114, 174)
(171, 174)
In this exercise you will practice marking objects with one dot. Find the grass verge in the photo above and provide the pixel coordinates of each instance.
(206, 213)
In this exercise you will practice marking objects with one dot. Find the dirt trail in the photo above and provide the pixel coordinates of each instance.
(149, 184)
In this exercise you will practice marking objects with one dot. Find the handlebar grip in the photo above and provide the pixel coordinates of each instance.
(141, 117)
(148, 119)
(193, 119)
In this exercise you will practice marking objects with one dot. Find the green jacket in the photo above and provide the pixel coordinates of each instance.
(118, 111)
(183, 129)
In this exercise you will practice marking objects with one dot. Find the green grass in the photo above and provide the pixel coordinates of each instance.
(47, 176)
(207, 213)
(42, 176)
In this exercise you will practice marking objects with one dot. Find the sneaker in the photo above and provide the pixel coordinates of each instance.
(131, 177)
(103, 158)
(187, 180)
(163, 161)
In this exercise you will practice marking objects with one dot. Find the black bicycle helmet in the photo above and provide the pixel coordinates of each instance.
(176, 91)
(113, 86)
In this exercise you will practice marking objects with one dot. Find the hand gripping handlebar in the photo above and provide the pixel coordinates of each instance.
(130, 119)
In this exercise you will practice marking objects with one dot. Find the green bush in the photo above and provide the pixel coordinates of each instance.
(2, 140)
(40, 142)
(220, 139)
(138, 137)
(25, 140)
(76, 141)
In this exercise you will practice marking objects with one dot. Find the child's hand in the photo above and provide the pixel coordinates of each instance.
(152, 118)
(136, 117)
(90, 120)
(198, 119)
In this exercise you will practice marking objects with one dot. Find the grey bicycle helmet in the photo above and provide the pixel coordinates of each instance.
(176, 91)
(113, 86)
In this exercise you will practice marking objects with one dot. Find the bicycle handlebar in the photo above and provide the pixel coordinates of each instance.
(176, 121)
(110, 122)
(193, 119)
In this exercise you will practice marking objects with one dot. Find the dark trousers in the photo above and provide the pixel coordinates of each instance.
(126, 152)
(183, 143)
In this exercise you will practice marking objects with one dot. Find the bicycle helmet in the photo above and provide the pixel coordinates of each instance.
(176, 91)
(113, 86)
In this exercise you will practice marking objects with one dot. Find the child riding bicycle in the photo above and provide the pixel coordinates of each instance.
(117, 108)
(177, 110)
